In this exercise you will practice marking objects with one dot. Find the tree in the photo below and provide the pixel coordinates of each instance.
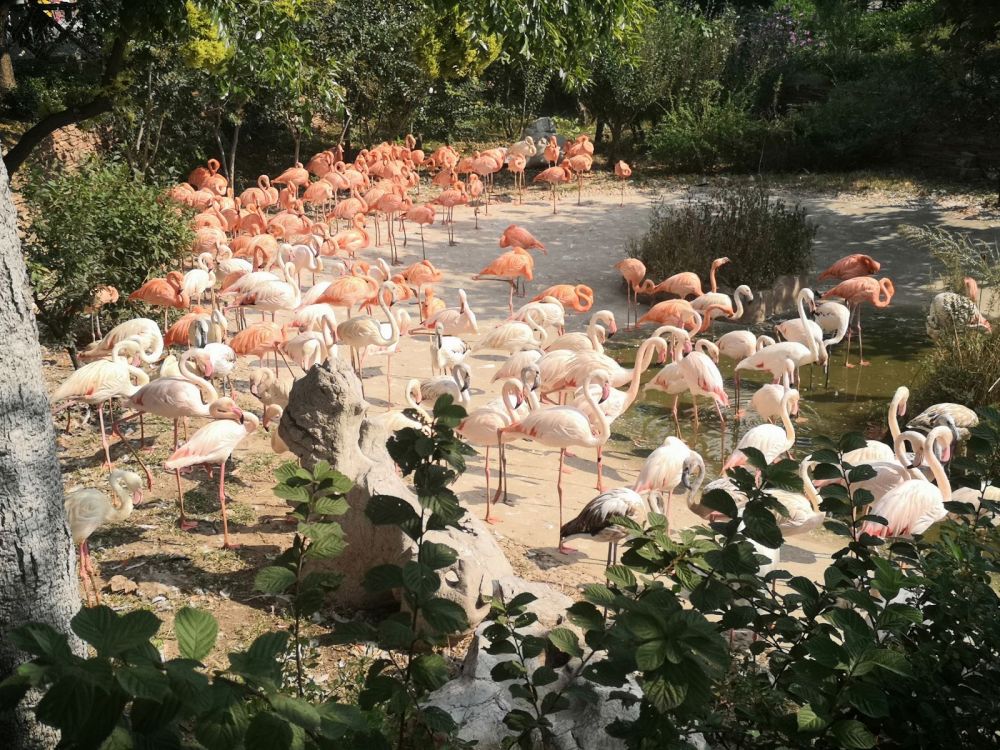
(37, 580)
(110, 28)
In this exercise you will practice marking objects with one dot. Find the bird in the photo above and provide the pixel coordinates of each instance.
(98, 382)
(851, 267)
(769, 439)
(766, 400)
(593, 339)
(456, 385)
(774, 357)
(270, 388)
(833, 319)
(363, 331)
(912, 507)
(855, 292)
(676, 312)
(389, 350)
(962, 418)
(296, 175)
(87, 509)
(633, 271)
(516, 363)
(480, 427)
(713, 305)
(548, 311)
(514, 335)
(553, 176)
(579, 297)
(515, 236)
(259, 339)
(214, 444)
(802, 329)
(164, 292)
(199, 279)
(564, 427)
(596, 520)
(454, 320)
(516, 164)
(422, 215)
(272, 416)
(516, 263)
(951, 315)
(703, 378)
(455, 195)
(876, 450)
(738, 345)
(663, 470)
(446, 351)
(143, 331)
(622, 171)
(101, 296)
(686, 283)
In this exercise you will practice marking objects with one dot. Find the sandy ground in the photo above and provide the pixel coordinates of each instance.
(173, 568)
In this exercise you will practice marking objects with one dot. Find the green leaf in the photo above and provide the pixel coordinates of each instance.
(429, 671)
(273, 579)
(395, 632)
(437, 556)
(663, 693)
(544, 676)
(650, 655)
(868, 699)
(143, 681)
(507, 670)
(585, 615)
(383, 578)
(295, 710)
(892, 661)
(851, 441)
(720, 501)
(331, 506)
(269, 731)
(286, 471)
(566, 641)
(808, 721)
(437, 720)
(111, 634)
(420, 580)
(598, 594)
(852, 734)
(385, 510)
(826, 471)
(40, 639)
(520, 601)
(445, 616)
(196, 631)
(337, 719)
(621, 576)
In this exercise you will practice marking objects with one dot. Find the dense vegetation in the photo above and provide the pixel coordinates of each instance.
(762, 236)
(727, 84)
(897, 646)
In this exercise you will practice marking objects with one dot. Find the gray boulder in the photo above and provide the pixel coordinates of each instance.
(540, 130)
(325, 420)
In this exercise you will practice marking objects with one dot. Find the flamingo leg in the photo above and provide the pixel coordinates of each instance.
(104, 438)
(423, 248)
(184, 524)
(93, 574)
(510, 299)
(388, 378)
(490, 518)
(562, 547)
(861, 345)
(226, 544)
(600, 468)
(82, 571)
(718, 410)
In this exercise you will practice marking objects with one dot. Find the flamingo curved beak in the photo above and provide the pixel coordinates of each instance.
(137, 497)
(239, 414)
(605, 392)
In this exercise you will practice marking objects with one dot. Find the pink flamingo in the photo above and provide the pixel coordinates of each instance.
(855, 292)
(704, 379)
(214, 444)
(769, 439)
(565, 427)
(421, 215)
(622, 171)
(633, 271)
(851, 267)
(664, 469)
(453, 196)
(553, 176)
(516, 164)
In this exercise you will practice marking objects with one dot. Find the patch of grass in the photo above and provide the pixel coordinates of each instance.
(964, 372)
(242, 514)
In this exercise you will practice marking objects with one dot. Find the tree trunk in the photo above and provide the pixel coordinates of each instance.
(37, 564)
(7, 81)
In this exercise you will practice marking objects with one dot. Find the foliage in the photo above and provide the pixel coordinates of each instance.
(959, 253)
(763, 237)
(965, 371)
(315, 496)
(92, 227)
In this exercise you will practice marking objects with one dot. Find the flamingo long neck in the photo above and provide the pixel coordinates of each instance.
(633, 388)
(599, 418)
(592, 334)
(187, 370)
(894, 415)
(899, 448)
(124, 508)
(940, 478)
(711, 278)
(393, 323)
(808, 487)
(786, 422)
(738, 304)
(153, 355)
(882, 290)
(800, 304)
(511, 387)
(538, 330)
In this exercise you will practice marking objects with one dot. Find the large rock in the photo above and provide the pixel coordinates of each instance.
(325, 420)
(478, 704)
(540, 130)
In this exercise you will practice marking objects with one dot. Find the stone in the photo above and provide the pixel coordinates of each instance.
(325, 420)
(119, 584)
(540, 130)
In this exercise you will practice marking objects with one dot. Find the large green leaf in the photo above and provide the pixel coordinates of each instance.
(852, 734)
(445, 616)
(269, 731)
(40, 639)
(566, 641)
(429, 671)
(196, 632)
(437, 556)
(143, 681)
(295, 710)
(383, 578)
(273, 579)
(664, 693)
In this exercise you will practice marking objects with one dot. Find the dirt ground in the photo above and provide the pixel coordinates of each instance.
(148, 562)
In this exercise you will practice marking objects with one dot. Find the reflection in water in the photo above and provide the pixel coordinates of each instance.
(894, 340)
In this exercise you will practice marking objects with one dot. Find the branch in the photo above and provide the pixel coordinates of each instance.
(98, 105)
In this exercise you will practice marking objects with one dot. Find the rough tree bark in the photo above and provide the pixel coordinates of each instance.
(7, 81)
(37, 578)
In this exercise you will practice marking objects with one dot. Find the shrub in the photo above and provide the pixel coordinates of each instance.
(960, 254)
(92, 227)
(965, 371)
(763, 237)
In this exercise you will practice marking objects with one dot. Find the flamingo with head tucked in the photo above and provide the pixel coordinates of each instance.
(579, 297)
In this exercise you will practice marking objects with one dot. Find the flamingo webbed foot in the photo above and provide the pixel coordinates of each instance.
(563, 549)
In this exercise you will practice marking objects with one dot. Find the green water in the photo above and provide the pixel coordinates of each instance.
(854, 398)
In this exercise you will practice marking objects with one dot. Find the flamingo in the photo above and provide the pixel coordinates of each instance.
(564, 427)
(457, 385)
(876, 450)
(548, 311)
(802, 329)
(553, 176)
(769, 439)
(766, 400)
(454, 320)
(833, 318)
(297, 176)
(703, 378)
(481, 427)
(163, 292)
(516, 363)
(962, 418)
(446, 351)
(509, 267)
(672, 312)
(453, 196)
(214, 444)
(622, 171)
(97, 383)
(663, 469)
(596, 522)
(951, 314)
(143, 331)
(851, 267)
(551, 150)
(580, 164)
(516, 164)
(912, 507)
(575, 370)
(273, 296)
(513, 335)
(591, 340)
(686, 283)
(272, 415)
(421, 215)
(388, 351)
(361, 332)
(633, 271)
(270, 388)
(774, 357)
(101, 296)
(348, 291)
(257, 340)
(88, 509)
(580, 297)
(738, 345)
(715, 304)
(858, 290)
(515, 236)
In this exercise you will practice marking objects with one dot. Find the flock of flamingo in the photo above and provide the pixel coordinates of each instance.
(558, 389)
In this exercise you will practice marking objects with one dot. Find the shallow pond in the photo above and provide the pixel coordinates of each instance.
(894, 342)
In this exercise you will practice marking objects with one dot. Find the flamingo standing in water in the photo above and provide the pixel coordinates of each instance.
(857, 291)
(622, 171)
(686, 283)
(87, 509)
(769, 439)
(214, 444)
(481, 427)
(633, 271)
(565, 427)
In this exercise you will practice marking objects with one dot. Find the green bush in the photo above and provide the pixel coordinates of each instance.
(762, 236)
(962, 371)
(92, 227)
